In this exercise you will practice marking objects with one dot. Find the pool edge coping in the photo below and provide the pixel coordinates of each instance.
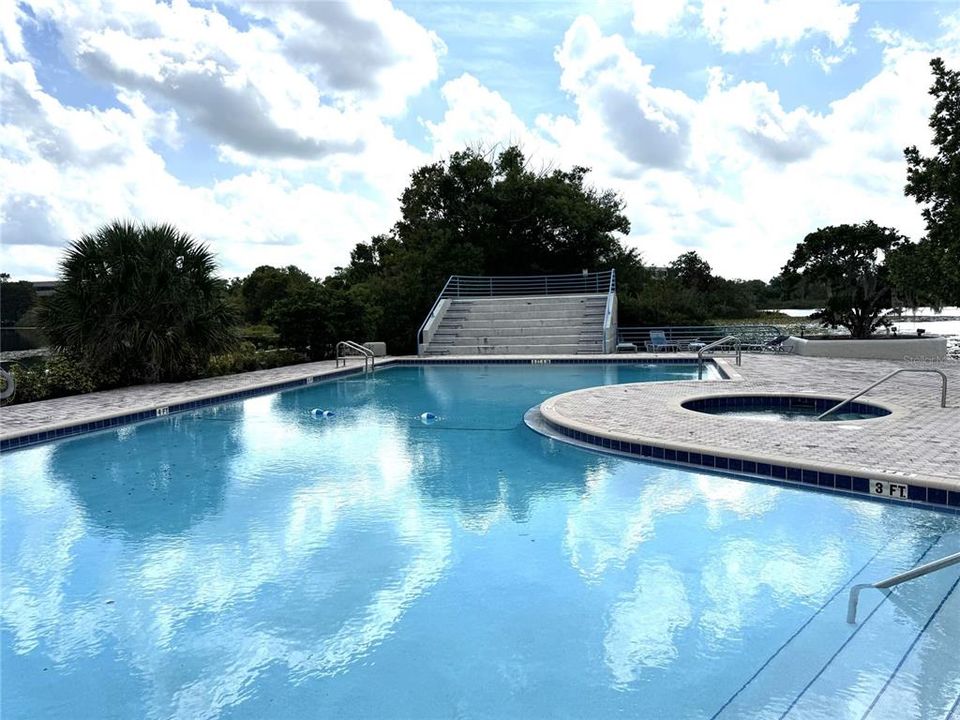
(49, 432)
(593, 437)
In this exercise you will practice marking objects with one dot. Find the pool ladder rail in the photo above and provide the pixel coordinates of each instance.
(943, 388)
(726, 340)
(9, 385)
(367, 353)
(890, 582)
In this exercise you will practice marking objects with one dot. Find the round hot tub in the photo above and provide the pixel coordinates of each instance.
(791, 408)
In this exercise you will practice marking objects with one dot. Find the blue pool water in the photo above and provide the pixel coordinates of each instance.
(252, 561)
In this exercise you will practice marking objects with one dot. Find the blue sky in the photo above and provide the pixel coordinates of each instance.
(284, 132)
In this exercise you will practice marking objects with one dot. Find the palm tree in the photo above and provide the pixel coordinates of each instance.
(138, 303)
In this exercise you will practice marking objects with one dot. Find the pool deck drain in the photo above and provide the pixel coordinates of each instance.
(918, 443)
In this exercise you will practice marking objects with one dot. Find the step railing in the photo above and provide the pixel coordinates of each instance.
(9, 385)
(943, 388)
(727, 340)
(367, 353)
(505, 286)
(890, 582)
(480, 286)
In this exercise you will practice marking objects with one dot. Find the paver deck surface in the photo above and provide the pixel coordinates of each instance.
(16, 420)
(920, 439)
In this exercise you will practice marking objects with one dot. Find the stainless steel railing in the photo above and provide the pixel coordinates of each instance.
(473, 286)
(481, 286)
(367, 353)
(9, 385)
(890, 582)
(682, 335)
(943, 388)
(727, 340)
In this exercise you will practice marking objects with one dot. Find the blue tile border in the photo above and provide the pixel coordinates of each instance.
(22, 441)
(37, 438)
(929, 498)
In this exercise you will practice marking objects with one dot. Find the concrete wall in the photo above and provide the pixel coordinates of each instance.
(431, 327)
(902, 348)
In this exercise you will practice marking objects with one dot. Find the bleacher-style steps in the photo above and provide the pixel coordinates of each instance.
(520, 325)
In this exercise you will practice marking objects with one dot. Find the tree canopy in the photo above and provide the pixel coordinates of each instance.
(15, 299)
(138, 303)
(850, 261)
(267, 285)
(930, 270)
(481, 213)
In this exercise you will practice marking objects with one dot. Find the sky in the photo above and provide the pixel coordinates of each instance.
(284, 132)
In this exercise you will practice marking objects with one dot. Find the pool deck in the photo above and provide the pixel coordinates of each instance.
(918, 443)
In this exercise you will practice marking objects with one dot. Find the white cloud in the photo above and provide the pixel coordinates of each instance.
(325, 167)
(65, 171)
(475, 115)
(735, 174)
(657, 17)
(618, 104)
(747, 25)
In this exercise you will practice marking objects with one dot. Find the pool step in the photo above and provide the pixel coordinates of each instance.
(806, 677)
(520, 325)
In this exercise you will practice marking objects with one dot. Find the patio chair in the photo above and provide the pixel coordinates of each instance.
(772, 345)
(658, 342)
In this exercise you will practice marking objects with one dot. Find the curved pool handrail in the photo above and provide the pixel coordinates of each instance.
(943, 390)
(367, 353)
(916, 572)
(722, 341)
(10, 385)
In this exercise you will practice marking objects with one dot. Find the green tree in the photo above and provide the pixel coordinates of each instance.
(138, 303)
(313, 318)
(692, 272)
(482, 213)
(850, 261)
(15, 299)
(930, 270)
(267, 285)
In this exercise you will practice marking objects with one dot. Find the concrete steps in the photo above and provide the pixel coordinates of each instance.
(520, 325)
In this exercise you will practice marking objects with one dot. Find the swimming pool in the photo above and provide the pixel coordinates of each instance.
(249, 560)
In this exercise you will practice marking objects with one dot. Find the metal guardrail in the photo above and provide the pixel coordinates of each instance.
(9, 385)
(890, 582)
(943, 389)
(683, 335)
(368, 355)
(490, 286)
(473, 286)
(727, 340)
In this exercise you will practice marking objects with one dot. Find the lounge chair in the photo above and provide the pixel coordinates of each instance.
(658, 343)
(772, 345)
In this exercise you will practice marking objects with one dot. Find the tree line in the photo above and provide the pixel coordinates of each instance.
(138, 303)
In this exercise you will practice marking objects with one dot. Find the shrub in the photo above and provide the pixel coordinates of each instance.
(53, 377)
(246, 358)
(139, 300)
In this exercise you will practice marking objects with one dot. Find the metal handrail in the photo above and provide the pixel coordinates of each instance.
(609, 322)
(10, 385)
(368, 354)
(588, 283)
(722, 341)
(916, 572)
(750, 335)
(478, 286)
(943, 391)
